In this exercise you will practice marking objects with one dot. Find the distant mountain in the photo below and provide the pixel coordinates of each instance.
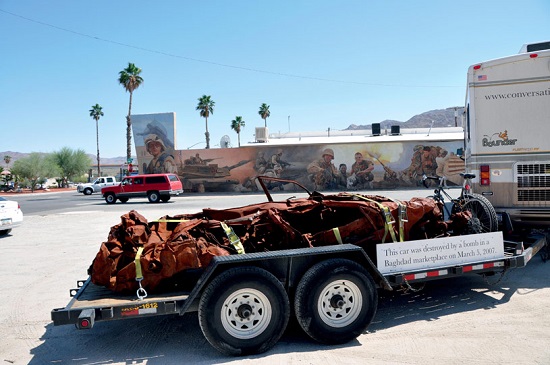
(440, 117)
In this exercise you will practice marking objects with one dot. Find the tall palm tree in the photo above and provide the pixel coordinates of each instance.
(129, 79)
(206, 107)
(96, 113)
(264, 113)
(236, 125)
(7, 160)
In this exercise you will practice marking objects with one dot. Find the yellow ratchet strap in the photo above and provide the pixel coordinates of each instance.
(336, 232)
(388, 224)
(139, 274)
(141, 292)
(233, 238)
(402, 217)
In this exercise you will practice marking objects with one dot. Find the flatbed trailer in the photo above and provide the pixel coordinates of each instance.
(244, 301)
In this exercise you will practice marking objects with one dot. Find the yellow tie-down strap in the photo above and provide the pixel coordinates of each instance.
(388, 223)
(141, 292)
(139, 274)
(233, 238)
(402, 218)
(336, 232)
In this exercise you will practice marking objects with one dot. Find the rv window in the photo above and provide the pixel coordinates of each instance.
(538, 46)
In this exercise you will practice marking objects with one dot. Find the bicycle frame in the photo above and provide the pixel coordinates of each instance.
(440, 193)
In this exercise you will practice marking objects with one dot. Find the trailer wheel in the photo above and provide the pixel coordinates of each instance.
(483, 212)
(244, 311)
(335, 301)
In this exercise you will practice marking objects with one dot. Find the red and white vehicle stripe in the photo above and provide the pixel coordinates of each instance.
(444, 272)
(487, 265)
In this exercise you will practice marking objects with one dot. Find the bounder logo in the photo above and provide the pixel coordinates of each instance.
(498, 139)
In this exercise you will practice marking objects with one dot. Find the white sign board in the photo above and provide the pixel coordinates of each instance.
(439, 252)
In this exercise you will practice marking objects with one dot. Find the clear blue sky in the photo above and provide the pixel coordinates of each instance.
(323, 63)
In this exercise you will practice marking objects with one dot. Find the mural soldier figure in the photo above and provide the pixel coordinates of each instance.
(361, 173)
(322, 172)
(162, 162)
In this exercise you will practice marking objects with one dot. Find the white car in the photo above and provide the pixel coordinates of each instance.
(10, 215)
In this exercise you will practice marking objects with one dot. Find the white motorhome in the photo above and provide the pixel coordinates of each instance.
(507, 133)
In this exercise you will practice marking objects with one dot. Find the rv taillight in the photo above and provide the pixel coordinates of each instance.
(485, 175)
(533, 55)
(477, 67)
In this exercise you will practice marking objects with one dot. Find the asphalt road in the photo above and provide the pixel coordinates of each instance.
(70, 201)
(467, 320)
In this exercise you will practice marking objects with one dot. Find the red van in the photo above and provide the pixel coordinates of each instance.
(156, 187)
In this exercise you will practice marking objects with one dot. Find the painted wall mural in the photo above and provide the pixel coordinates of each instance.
(342, 166)
(155, 142)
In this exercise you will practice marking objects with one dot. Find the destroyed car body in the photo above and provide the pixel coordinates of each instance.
(165, 249)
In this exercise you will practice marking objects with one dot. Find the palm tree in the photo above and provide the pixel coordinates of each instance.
(7, 160)
(264, 113)
(236, 125)
(206, 107)
(97, 113)
(129, 78)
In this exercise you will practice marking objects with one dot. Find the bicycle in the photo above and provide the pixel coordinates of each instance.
(484, 216)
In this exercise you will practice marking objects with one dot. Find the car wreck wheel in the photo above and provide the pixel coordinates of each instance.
(244, 311)
(335, 301)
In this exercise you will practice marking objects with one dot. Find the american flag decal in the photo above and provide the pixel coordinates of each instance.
(481, 77)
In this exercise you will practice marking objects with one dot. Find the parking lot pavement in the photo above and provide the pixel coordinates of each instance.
(460, 321)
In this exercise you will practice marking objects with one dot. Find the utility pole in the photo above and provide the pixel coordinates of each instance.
(456, 116)
(289, 124)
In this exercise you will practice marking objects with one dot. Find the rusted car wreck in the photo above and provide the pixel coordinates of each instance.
(173, 245)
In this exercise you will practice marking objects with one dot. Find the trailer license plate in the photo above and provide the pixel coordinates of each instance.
(5, 221)
(138, 310)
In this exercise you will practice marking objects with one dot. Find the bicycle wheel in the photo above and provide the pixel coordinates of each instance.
(484, 217)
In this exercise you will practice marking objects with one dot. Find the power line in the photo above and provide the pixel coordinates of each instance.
(218, 63)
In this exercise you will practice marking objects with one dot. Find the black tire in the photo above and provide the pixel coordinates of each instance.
(259, 320)
(110, 198)
(5, 232)
(483, 210)
(335, 301)
(123, 200)
(165, 198)
(153, 196)
(88, 191)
